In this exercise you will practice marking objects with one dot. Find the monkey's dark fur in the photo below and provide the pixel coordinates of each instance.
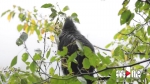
(69, 35)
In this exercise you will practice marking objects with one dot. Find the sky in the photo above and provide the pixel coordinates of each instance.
(99, 22)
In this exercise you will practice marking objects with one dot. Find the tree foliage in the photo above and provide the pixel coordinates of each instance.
(133, 41)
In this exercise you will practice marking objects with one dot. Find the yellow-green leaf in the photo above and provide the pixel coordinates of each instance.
(25, 57)
(65, 8)
(9, 17)
(19, 27)
(52, 38)
(14, 61)
(86, 63)
(33, 66)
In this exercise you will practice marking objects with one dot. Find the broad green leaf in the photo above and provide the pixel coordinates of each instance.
(24, 81)
(86, 63)
(138, 4)
(23, 36)
(143, 76)
(148, 30)
(25, 57)
(14, 61)
(53, 58)
(119, 52)
(112, 79)
(48, 53)
(53, 15)
(108, 45)
(76, 20)
(5, 13)
(38, 32)
(125, 3)
(20, 27)
(125, 16)
(22, 17)
(94, 60)
(74, 15)
(12, 14)
(19, 42)
(33, 66)
(89, 77)
(64, 52)
(65, 8)
(31, 78)
(37, 56)
(122, 10)
(2, 77)
(51, 71)
(138, 67)
(131, 17)
(49, 5)
(53, 10)
(146, 6)
(87, 51)
(72, 57)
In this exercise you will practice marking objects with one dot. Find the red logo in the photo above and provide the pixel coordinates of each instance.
(127, 73)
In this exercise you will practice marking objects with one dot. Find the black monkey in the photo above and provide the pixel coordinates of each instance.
(69, 35)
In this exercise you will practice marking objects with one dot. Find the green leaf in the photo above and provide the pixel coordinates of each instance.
(112, 79)
(108, 45)
(48, 53)
(53, 15)
(25, 57)
(65, 8)
(148, 30)
(2, 78)
(14, 61)
(76, 20)
(49, 5)
(125, 16)
(138, 4)
(131, 17)
(23, 36)
(33, 66)
(22, 17)
(118, 52)
(5, 13)
(37, 56)
(87, 51)
(64, 52)
(125, 3)
(37, 32)
(138, 67)
(12, 14)
(24, 81)
(89, 77)
(31, 78)
(74, 15)
(19, 27)
(51, 71)
(122, 10)
(19, 42)
(143, 76)
(53, 58)
(86, 63)
(72, 57)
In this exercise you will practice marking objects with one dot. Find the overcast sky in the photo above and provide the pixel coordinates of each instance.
(98, 22)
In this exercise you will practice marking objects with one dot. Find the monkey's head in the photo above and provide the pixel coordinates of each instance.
(69, 25)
